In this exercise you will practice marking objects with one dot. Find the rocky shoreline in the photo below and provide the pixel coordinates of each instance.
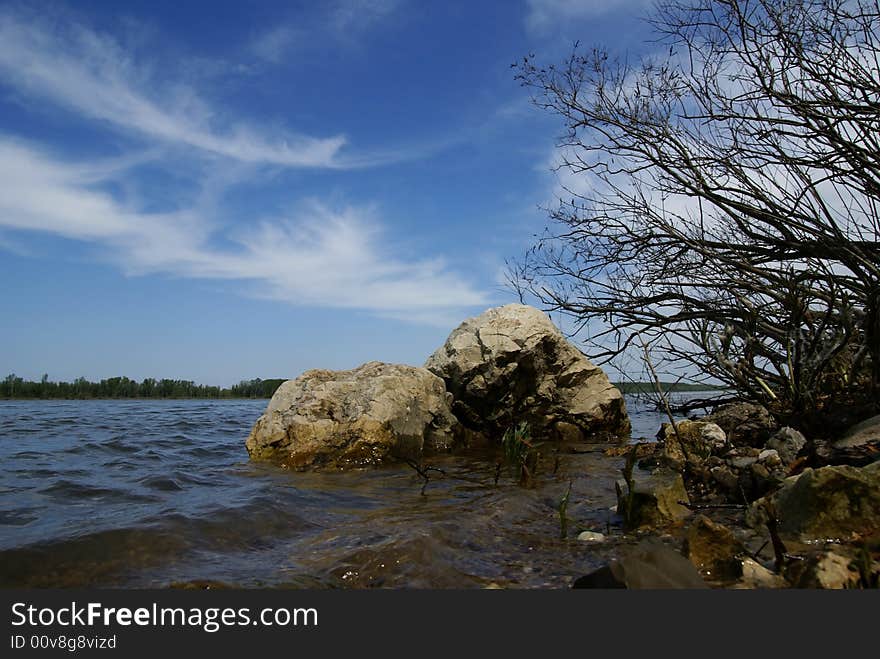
(728, 500)
(770, 509)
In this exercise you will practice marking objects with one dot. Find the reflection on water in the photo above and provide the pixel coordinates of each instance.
(153, 493)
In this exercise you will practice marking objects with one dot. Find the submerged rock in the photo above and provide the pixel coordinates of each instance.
(648, 565)
(827, 570)
(512, 364)
(838, 502)
(652, 499)
(371, 414)
(713, 549)
(756, 576)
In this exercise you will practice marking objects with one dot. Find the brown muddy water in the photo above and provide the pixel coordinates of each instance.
(161, 493)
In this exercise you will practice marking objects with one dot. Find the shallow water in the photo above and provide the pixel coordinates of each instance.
(160, 493)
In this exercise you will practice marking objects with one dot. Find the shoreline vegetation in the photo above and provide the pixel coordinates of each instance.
(16, 388)
(122, 388)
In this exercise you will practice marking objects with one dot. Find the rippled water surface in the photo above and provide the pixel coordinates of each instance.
(160, 493)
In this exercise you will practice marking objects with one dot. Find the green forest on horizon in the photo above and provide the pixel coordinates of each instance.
(14, 387)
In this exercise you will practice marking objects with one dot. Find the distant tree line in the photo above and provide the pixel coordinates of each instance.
(122, 387)
(668, 387)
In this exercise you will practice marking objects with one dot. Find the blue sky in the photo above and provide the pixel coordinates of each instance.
(218, 191)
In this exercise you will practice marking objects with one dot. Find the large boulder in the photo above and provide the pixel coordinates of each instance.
(840, 502)
(511, 364)
(374, 413)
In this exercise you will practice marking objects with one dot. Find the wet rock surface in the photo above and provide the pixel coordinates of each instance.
(369, 415)
(713, 549)
(649, 565)
(652, 498)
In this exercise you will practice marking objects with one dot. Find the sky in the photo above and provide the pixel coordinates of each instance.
(223, 191)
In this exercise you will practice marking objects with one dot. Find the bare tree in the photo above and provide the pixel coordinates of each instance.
(727, 204)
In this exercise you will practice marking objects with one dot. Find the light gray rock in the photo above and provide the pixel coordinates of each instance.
(787, 442)
(511, 364)
(770, 456)
(714, 436)
(829, 570)
(742, 462)
(756, 576)
(371, 414)
(591, 536)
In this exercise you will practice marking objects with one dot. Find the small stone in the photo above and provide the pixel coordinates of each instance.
(788, 442)
(591, 536)
(770, 459)
(768, 454)
(755, 575)
(742, 463)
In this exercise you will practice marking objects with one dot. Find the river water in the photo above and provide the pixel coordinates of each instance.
(161, 493)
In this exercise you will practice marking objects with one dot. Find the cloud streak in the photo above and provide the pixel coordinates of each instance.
(92, 75)
(316, 256)
(545, 16)
(340, 23)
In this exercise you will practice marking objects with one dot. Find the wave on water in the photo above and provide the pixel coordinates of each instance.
(155, 493)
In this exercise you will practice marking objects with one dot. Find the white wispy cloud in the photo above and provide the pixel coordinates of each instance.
(316, 255)
(94, 76)
(546, 16)
(343, 22)
(276, 42)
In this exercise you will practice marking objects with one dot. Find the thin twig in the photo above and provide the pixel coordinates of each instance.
(713, 506)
